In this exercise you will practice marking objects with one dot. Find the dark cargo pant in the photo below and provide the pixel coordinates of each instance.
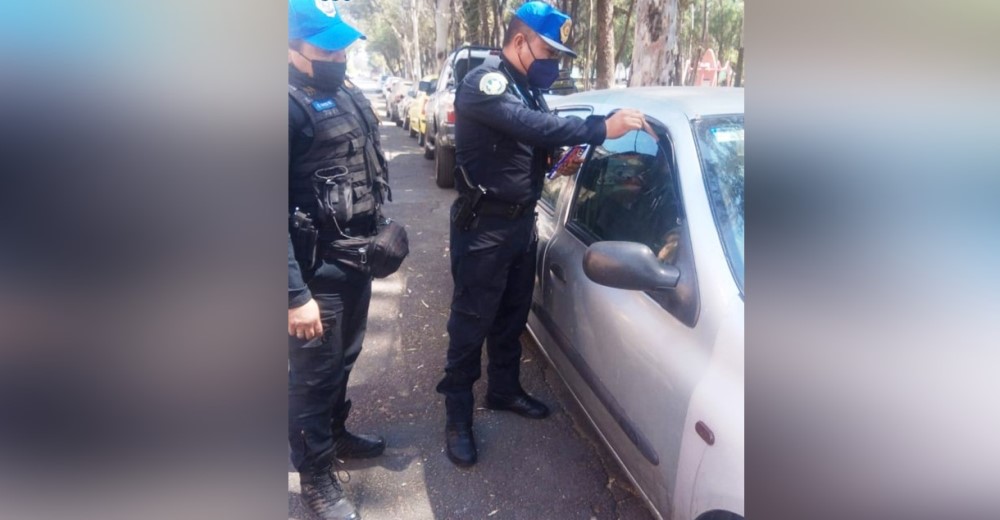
(493, 268)
(318, 369)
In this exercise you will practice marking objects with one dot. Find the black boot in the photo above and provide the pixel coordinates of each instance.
(461, 444)
(522, 404)
(322, 494)
(347, 445)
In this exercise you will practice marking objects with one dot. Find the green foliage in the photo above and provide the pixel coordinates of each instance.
(725, 27)
(382, 41)
(386, 21)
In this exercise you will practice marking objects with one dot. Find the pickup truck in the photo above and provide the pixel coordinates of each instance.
(439, 140)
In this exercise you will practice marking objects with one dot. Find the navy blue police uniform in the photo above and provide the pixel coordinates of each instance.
(503, 136)
(328, 130)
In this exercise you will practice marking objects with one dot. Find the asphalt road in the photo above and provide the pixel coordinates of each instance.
(556, 468)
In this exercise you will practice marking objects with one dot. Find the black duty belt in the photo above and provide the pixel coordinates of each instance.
(497, 208)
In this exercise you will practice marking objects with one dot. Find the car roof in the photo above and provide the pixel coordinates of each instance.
(693, 102)
(477, 52)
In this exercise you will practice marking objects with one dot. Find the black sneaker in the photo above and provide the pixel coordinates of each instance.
(323, 496)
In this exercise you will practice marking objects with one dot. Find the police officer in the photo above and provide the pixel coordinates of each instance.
(503, 136)
(334, 144)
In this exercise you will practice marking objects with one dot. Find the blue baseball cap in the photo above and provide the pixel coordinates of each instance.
(317, 22)
(548, 22)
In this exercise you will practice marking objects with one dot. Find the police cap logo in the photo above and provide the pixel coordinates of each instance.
(329, 7)
(493, 84)
(564, 31)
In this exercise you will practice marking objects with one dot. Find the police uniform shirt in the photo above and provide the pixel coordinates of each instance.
(500, 121)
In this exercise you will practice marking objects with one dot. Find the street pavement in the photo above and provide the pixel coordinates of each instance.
(555, 468)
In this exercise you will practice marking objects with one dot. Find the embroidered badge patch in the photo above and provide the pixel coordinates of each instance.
(493, 84)
(325, 104)
(328, 7)
(564, 31)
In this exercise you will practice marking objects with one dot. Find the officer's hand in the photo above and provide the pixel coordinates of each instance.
(304, 322)
(624, 121)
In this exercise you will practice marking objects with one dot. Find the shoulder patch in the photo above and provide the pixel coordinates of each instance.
(493, 83)
(325, 104)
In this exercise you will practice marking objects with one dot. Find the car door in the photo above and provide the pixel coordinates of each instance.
(551, 206)
(630, 350)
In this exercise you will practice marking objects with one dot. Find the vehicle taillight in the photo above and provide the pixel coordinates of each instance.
(451, 117)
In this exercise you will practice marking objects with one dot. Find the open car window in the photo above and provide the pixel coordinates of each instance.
(627, 191)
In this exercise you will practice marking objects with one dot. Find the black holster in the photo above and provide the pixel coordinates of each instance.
(304, 238)
(469, 202)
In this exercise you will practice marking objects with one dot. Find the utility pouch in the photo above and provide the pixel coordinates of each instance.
(334, 194)
(304, 237)
(378, 256)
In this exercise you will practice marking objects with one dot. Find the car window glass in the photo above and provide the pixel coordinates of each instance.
(626, 192)
(551, 190)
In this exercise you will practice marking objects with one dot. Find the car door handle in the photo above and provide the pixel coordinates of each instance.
(557, 271)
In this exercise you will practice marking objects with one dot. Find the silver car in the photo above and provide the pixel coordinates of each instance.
(638, 303)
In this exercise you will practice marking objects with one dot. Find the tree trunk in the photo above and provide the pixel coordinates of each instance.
(621, 42)
(738, 81)
(656, 33)
(738, 73)
(415, 18)
(498, 26)
(605, 44)
(574, 35)
(588, 71)
(704, 24)
(470, 19)
(484, 23)
(442, 22)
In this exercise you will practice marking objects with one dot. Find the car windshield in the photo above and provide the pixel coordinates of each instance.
(720, 146)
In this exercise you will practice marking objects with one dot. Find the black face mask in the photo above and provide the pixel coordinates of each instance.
(328, 75)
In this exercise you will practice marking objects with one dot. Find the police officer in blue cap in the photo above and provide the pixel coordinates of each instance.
(337, 177)
(503, 136)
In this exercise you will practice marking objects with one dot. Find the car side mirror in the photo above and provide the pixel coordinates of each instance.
(628, 265)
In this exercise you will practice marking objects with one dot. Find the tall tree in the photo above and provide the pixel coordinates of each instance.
(656, 33)
(484, 20)
(415, 19)
(605, 44)
(442, 22)
(739, 59)
(625, 32)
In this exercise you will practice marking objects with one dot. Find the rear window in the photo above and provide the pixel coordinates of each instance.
(463, 65)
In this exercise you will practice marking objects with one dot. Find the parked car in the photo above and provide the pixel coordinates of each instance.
(439, 143)
(418, 123)
(387, 84)
(639, 298)
(564, 85)
(404, 106)
(396, 94)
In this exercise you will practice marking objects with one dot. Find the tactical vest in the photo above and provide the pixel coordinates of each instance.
(345, 133)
